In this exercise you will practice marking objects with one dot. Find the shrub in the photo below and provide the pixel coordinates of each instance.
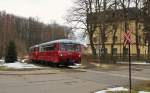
(11, 54)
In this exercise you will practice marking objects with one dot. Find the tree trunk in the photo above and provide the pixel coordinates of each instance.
(113, 42)
(137, 40)
(148, 46)
(137, 32)
(103, 39)
(92, 45)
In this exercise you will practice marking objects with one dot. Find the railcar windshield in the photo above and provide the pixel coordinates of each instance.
(70, 47)
(35, 49)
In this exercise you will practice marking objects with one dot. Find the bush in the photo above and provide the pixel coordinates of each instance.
(11, 54)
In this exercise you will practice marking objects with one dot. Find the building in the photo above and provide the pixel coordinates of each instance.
(114, 37)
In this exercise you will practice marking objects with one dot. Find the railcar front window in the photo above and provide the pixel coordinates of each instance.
(70, 47)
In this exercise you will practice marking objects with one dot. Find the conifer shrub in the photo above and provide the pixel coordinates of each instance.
(11, 53)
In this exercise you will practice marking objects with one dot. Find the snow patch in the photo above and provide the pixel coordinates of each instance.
(19, 65)
(75, 66)
(140, 63)
(117, 89)
(143, 92)
(2, 61)
(113, 90)
(135, 63)
(24, 60)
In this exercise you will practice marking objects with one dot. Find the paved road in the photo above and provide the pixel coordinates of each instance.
(66, 80)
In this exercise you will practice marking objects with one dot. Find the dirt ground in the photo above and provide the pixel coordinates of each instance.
(93, 63)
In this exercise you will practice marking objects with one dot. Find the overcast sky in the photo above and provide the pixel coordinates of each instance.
(46, 10)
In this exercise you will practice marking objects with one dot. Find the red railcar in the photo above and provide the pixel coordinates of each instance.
(62, 51)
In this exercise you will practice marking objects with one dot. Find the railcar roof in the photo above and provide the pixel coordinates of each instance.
(60, 41)
(34, 46)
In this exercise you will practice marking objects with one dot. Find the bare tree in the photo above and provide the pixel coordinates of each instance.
(86, 16)
(115, 27)
(26, 32)
(79, 17)
(125, 5)
(138, 16)
(147, 23)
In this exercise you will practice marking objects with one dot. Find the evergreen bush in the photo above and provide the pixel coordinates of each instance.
(11, 53)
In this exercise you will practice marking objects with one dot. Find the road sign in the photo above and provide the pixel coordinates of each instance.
(128, 40)
(127, 37)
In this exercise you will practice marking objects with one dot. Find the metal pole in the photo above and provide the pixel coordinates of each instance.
(130, 80)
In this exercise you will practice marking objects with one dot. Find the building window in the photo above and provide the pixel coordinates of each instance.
(104, 50)
(114, 51)
(105, 38)
(95, 40)
(140, 39)
(126, 51)
(140, 26)
(116, 38)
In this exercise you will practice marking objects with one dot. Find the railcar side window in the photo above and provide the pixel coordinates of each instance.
(49, 48)
(35, 49)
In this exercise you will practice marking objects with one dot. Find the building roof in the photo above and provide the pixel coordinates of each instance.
(111, 14)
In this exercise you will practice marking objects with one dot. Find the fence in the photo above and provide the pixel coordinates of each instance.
(115, 58)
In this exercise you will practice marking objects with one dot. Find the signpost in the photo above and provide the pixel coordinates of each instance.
(127, 40)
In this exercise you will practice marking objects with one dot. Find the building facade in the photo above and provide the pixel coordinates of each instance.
(115, 38)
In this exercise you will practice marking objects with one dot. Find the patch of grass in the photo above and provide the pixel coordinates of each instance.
(3, 68)
(122, 92)
(144, 86)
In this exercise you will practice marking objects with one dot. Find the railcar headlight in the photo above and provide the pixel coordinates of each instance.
(61, 55)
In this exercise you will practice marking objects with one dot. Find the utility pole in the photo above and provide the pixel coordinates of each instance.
(130, 79)
(148, 26)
